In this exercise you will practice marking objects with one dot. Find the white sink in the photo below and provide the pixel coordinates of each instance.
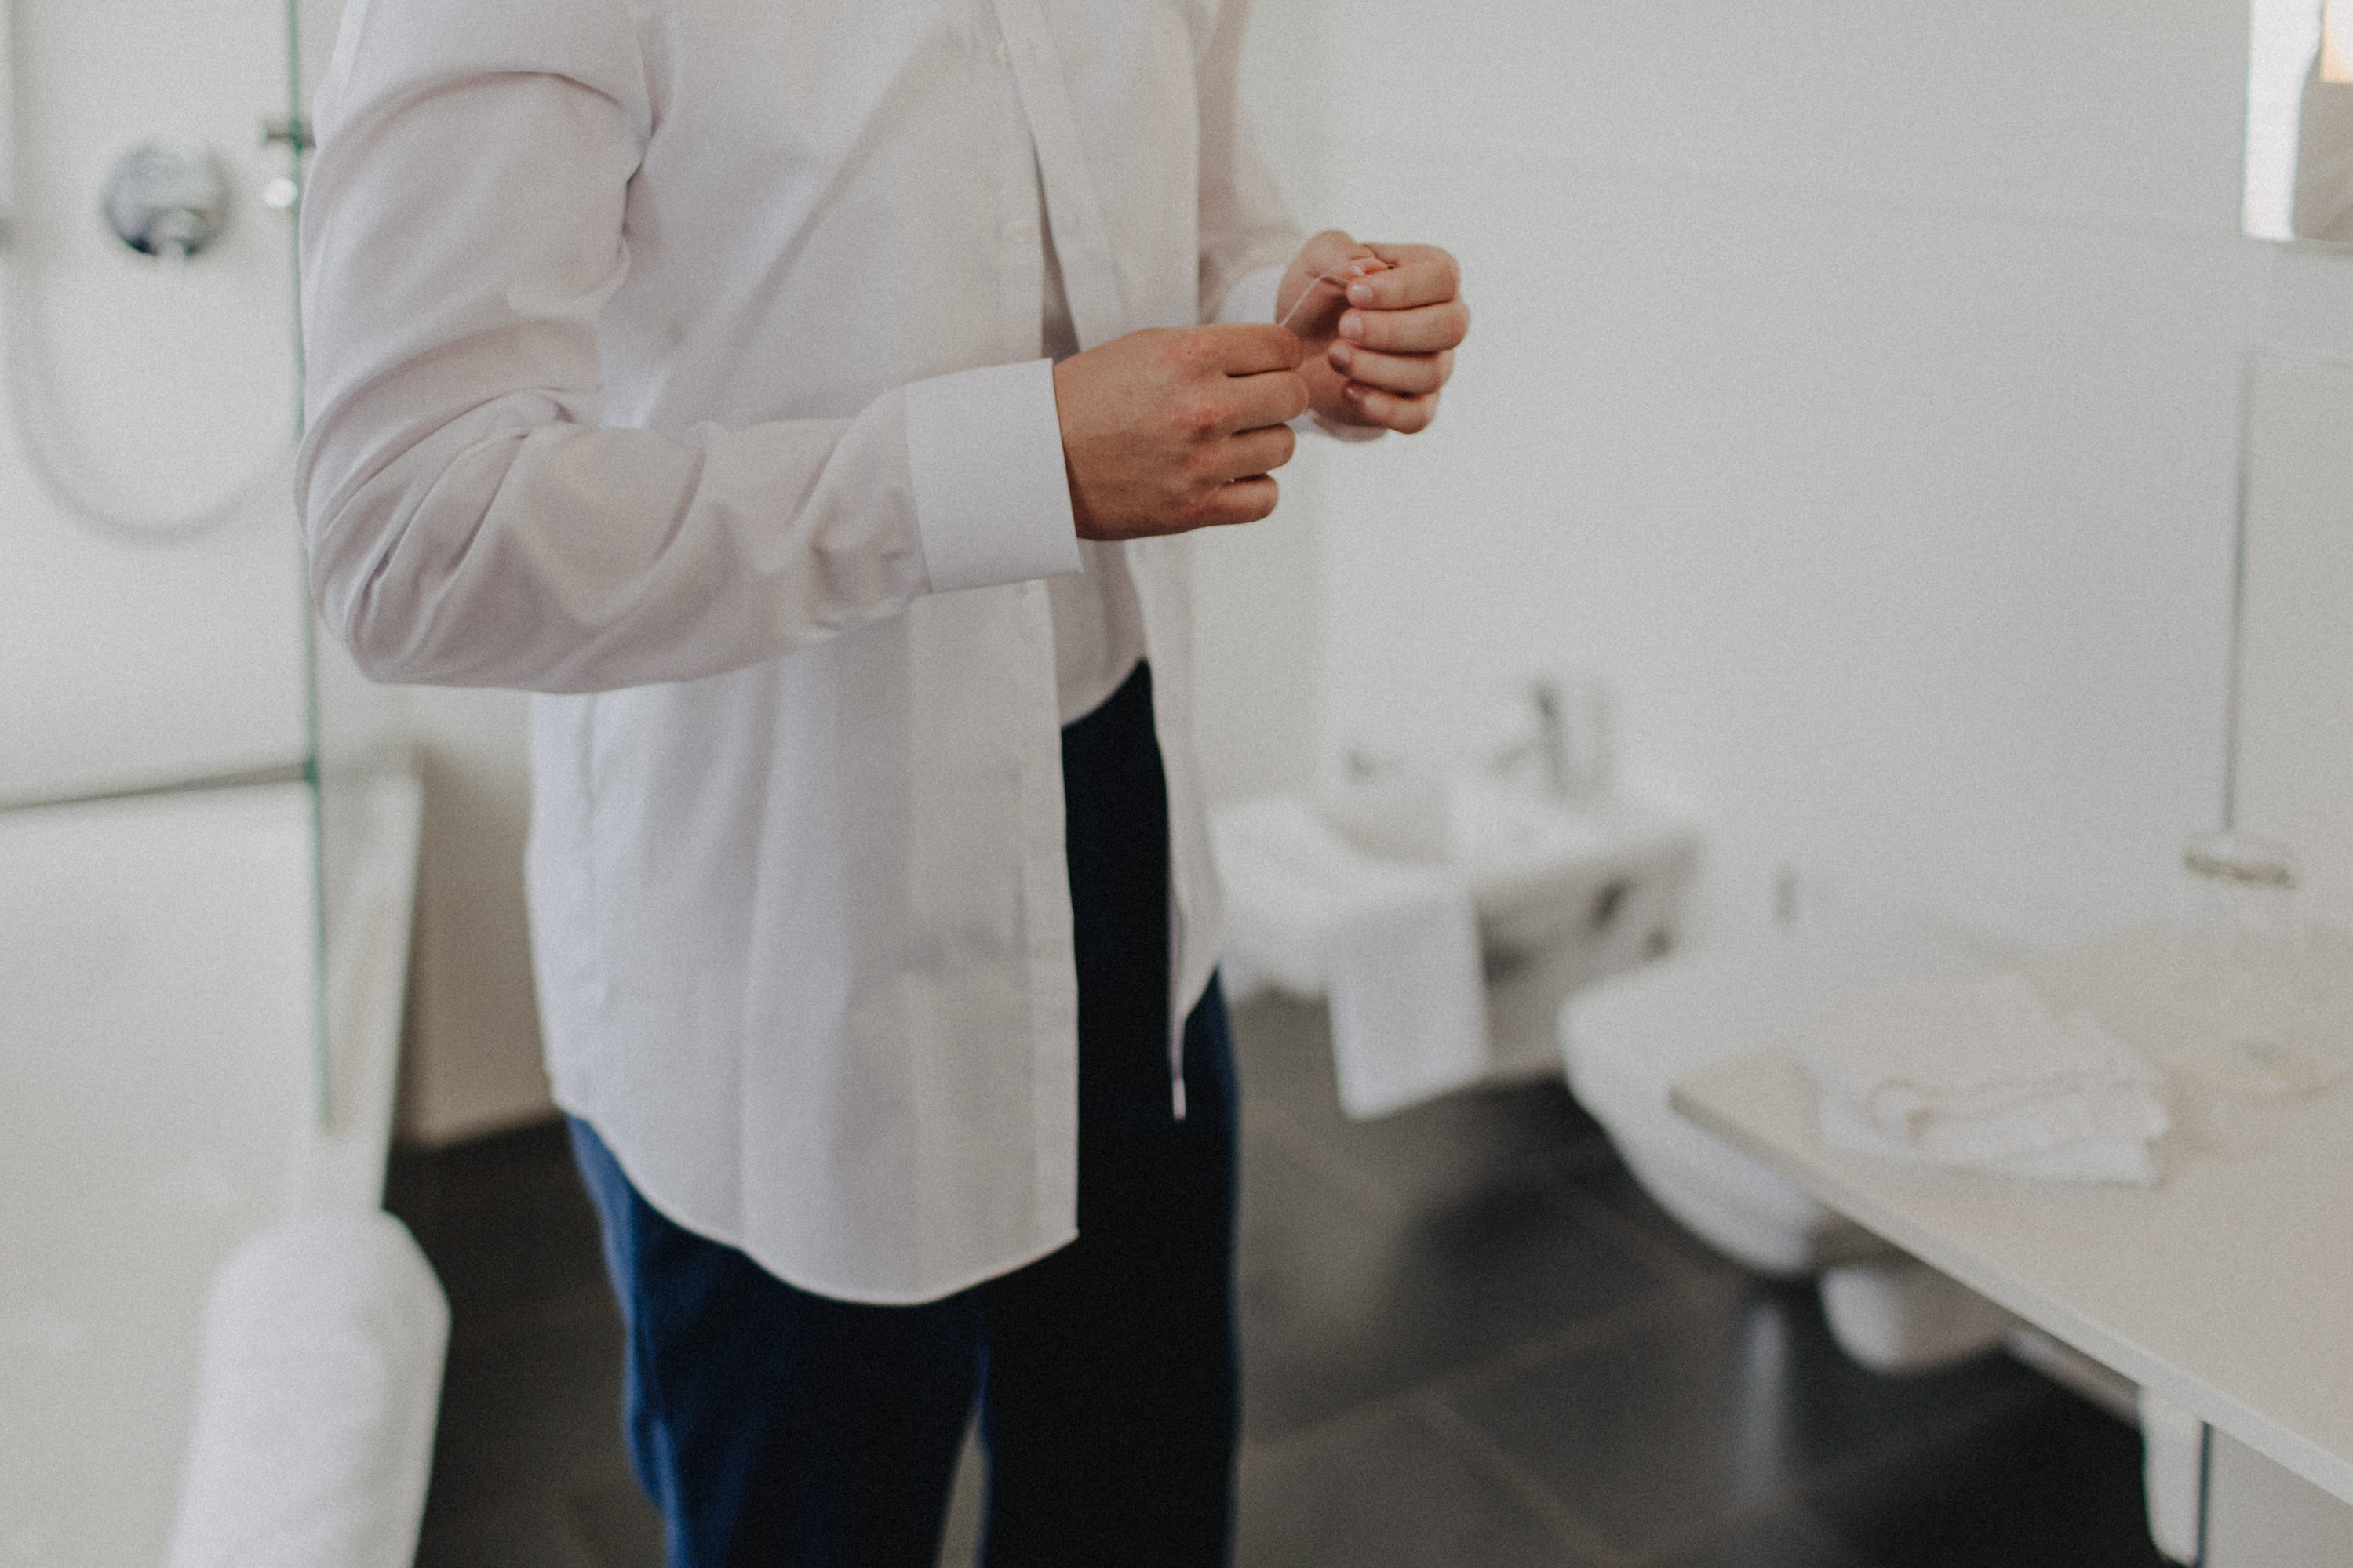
(1564, 894)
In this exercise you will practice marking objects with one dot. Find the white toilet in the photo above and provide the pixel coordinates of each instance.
(1627, 1039)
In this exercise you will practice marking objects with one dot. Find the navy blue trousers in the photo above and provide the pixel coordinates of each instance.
(776, 1427)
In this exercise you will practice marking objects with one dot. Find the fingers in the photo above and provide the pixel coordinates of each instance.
(1395, 341)
(1248, 348)
(1233, 482)
(1411, 374)
(1332, 250)
(1274, 398)
(1406, 416)
(1312, 285)
(1426, 328)
(1417, 275)
(1249, 499)
(1256, 452)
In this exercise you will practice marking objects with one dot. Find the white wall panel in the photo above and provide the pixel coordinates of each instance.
(1255, 595)
(473, 1064)
(1856, 385)
(2295, 747)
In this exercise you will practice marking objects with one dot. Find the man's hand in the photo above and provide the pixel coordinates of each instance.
(1164, 431)
(1380, 336)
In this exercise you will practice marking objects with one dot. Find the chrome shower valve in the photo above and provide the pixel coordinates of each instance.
(167, 197)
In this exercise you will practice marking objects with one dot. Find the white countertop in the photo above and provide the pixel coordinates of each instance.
(2227, 1288)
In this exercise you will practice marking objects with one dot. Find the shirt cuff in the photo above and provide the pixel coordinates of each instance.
(992, 497)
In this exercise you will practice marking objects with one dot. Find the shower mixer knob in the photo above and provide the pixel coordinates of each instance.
(167, 197)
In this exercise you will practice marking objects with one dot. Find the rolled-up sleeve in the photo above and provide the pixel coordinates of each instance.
(470, 522)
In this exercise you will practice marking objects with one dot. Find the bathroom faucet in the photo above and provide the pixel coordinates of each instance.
(1548, 745)
(1571, 743)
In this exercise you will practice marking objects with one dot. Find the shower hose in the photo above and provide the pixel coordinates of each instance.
(77, 496)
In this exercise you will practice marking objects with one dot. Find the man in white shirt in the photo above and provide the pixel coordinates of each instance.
(808, 397)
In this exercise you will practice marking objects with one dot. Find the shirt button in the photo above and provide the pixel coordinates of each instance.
(1035, 767)
(1043, 947)
(1003, 55)
(1020, 228)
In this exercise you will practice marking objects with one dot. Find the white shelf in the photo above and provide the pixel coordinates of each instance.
(2225, 1289)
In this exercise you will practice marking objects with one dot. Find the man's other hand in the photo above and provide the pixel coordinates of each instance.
(1380, 338)
(1169, 430)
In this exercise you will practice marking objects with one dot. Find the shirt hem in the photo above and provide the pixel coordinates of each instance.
(801, 1279)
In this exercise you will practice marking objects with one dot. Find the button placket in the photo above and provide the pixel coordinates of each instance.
(1090, 279)
(1021, 259)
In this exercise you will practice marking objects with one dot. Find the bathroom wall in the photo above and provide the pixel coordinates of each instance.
(123, 667)
(1258, 599)
(1856, 386)
(2296, 724)
(472, 1063)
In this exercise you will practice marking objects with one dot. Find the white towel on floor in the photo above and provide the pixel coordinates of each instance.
(1981, 1073)
(317, 1390)
(1394, 945)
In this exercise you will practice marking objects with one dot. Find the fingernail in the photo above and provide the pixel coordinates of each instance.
(1352, 327)
(1360, 293)
(1342, 354)
(1356, 392)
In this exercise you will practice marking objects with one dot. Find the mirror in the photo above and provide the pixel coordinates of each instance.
(2299, 183)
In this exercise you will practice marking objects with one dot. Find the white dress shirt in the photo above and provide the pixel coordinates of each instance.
(680, 359)
(1098, 625)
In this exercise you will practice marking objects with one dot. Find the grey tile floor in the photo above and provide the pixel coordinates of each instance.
(1468, 1339)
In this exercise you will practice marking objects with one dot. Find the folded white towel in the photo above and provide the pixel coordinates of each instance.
(1981, 1073)
(1394, 946)
(318, 1386)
